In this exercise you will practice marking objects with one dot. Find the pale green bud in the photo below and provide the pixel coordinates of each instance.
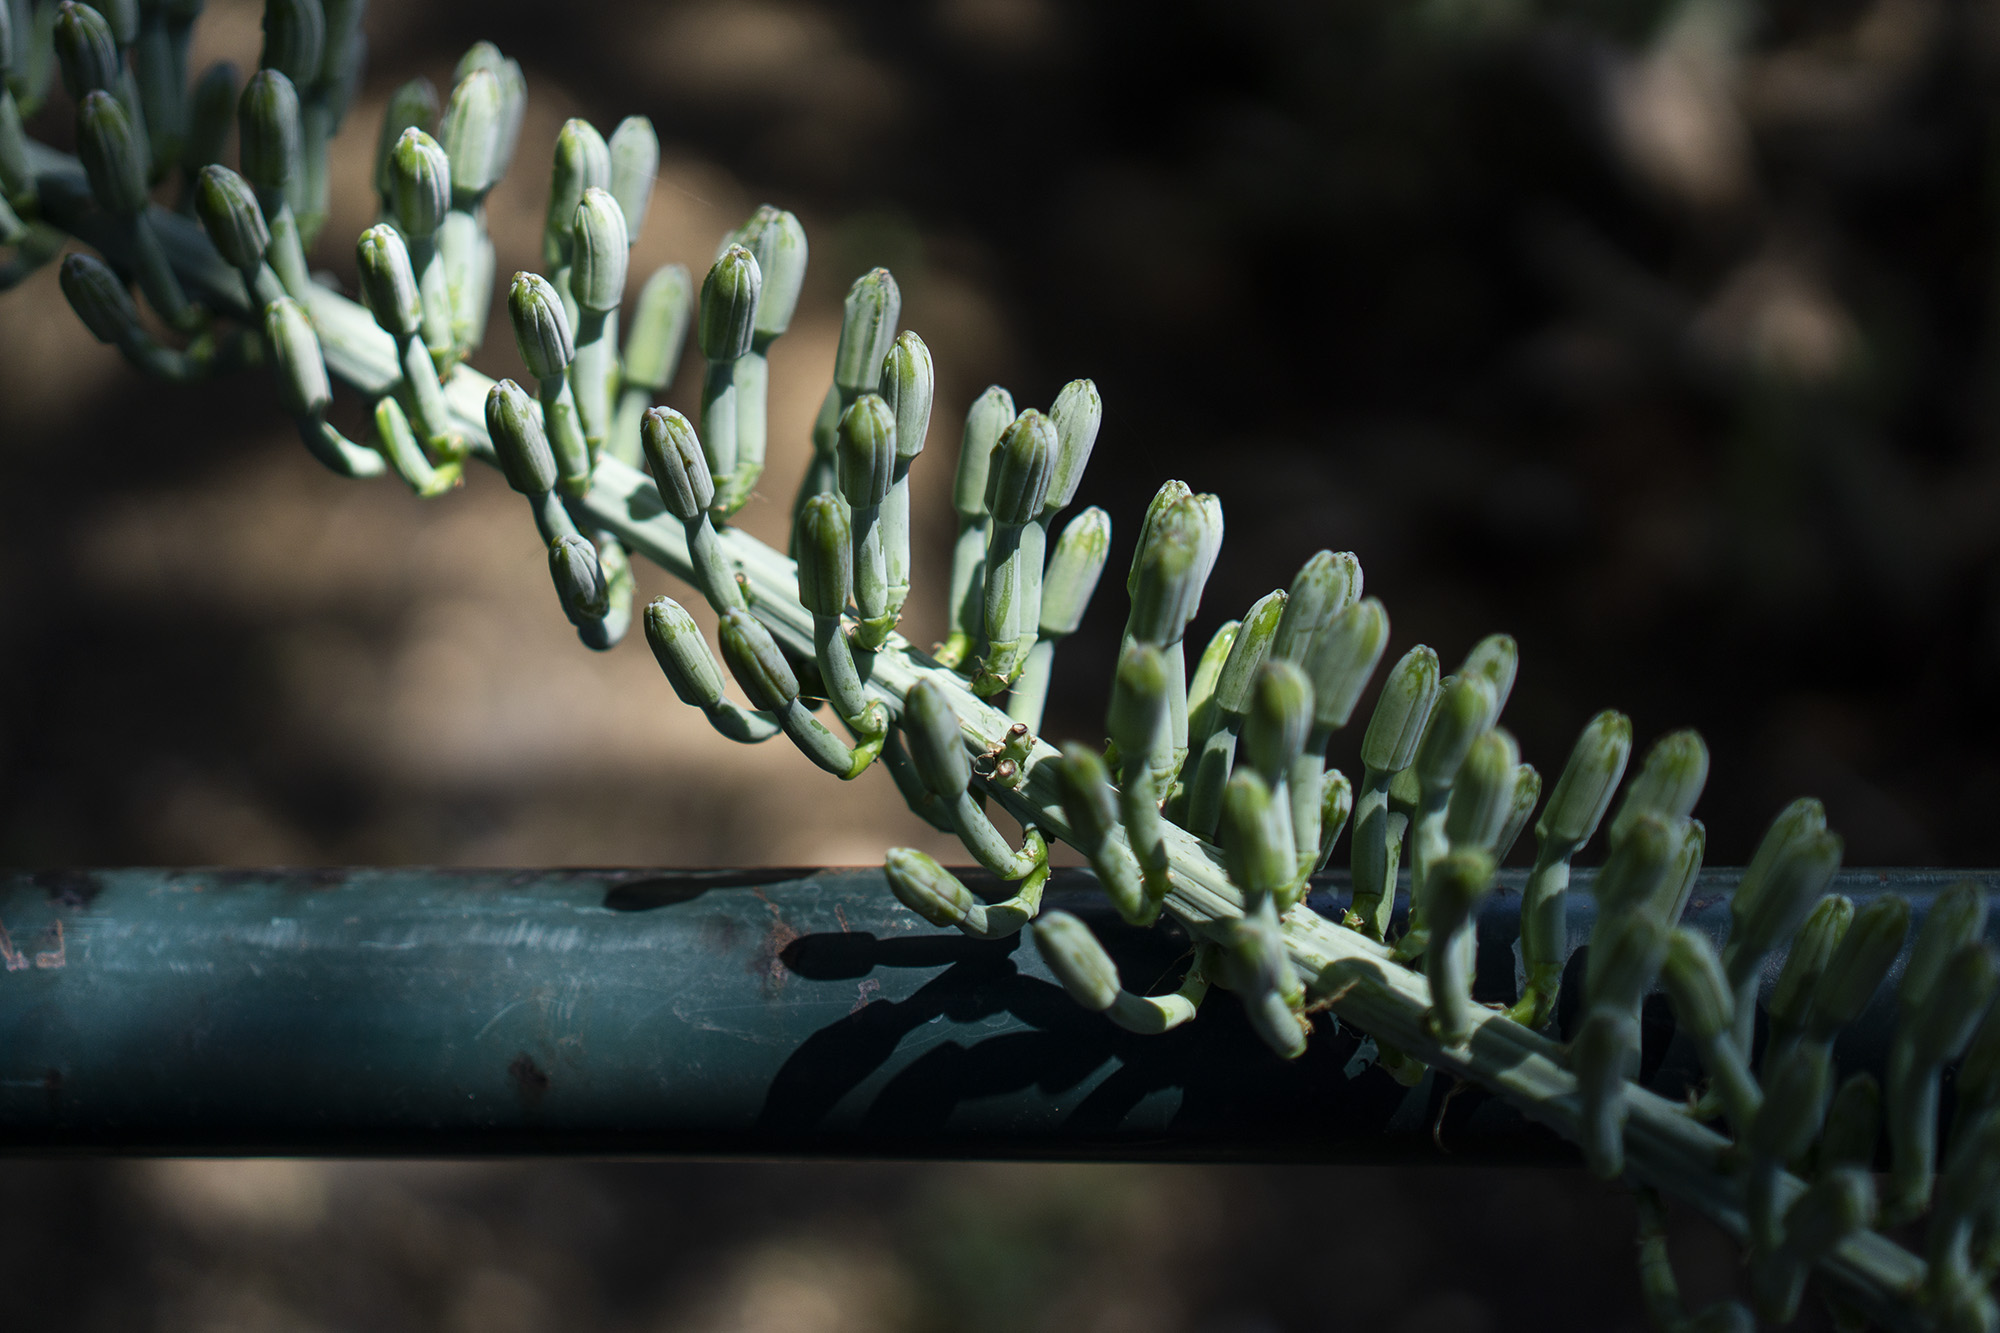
(302, 381)
(212, 106)
(908, 382)
(579, 579)
(1279, 718)
(519, 440)
(1256, 851)
(659, 328)
(1402, 713)
(1806, 962)
(779, 243)
(269, 140)
(679, 467)
(1077, 413)
(756, 661)
(1074, 568)
(1464, 709)
(1325, 586)
(1797, 879)
(598, 252)
(414, 106)
(480, 55)
(865, 449)
(1956, 918)
(826, 555)
(635, 160)
(113, 158)
(98, 297)
(1166, 596)
(1702, 999)
(927, 888)
(1483, 795)
(1863, 957)
(1087, 797)
(1621, 969)
(1170, 495)
(931, 726)
(728, 318)
(1527, 791)
(682, 653)
(1139, 702)
(1247, 653)
(867, 327)
(1794, 1104)
(1957, 1001)
(388, 281)
(1583, 793)
(1343, 657)
(1454, 888)
(419, 178)
(87, 51)
(541, 330)
(985, 421)
(1853, 1124)
(1668, 783)
(472, 132)
(1496, 657)
(1803, 818)
(294, 39)
(1017, 482)
(1639, 863)
(1077, 960)
(229, 214)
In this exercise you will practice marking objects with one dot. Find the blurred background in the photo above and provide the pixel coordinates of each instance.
(1662, 336)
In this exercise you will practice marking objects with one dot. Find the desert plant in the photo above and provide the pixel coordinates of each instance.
(1212, 802)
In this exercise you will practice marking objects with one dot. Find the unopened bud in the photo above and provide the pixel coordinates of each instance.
(294, 39)
(86, 50)
(826, 555)
(1077, 960)
(985, 421)
(1077, 413)
(114, 161)
(1668, 783)
(1482, 796)
(1017, 481)
(1255, 849)
(679, 468)
(927, 888)
(756, 661)
(1279, 718)
(728, 318)
(1464, 709)
(541, 330)
(682, 653)
(908, 383)
(388, 281)
(269, 140)
(473, 133)
(931, 726)
(98, 297)
(229, 214)
(1863, 957)
(1583, 793)
(659, 328)
(295, 351)
(598, 252)
(1139, 700)
(1806, 962)
(579, 579)
(867, 327)
(777, 240)
(519, 441)
(1325, 586)
(1248, 652)
(1343, 658)
(1402, 712)
(635, 160)
(866, 451)
(1074, 568)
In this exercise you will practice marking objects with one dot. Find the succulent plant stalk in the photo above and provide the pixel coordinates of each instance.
(867, 329)
(985, 422)
(777, 242)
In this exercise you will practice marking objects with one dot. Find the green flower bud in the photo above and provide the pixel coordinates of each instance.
(1527, 791)
(472, 133)
(1167, 595)
(1170, 496)
(1794, 1104)
(1668, 783)
(598, 251)
(1702, 1000)
(682, 653)
(579, 580)
(582, 162)
(1281, 713)
(1583, 792)
(1964, 989)
(229, 214)
(1342, 659)
(1077, 414)
(1797, 879)
(302, 381)
(1803, 818)
(1807, 960)
(122, 17)
(866, 446)
(294, 39)
(728, 319)
(1853, 1124)
(635, 160)
(867, 327)
(1074, 567)
(113, 158)
(519, 440)
(87, 50)
(541, 330)
(419, 184)
(779, 244)
(1454, 889)
(1088, 800)
(1640, 863)
(927, 888)
(1325, 586)
(1483, 795)
(826, 555)
(98, 297)
(1255, 848)
(1139, 702)
(673, 453)
(908, 382)
(1076, 960)
(756, 662)
(388, 281)
(480, 55)
(269, 140)
(985, 421)
(1863, 957)
(659, 328)
(1464, 709)
(931, 726)
(1248, 653)
(1956, 918)
(1496, 657)
(414, 106)
(1402, 713)
(1018, 483)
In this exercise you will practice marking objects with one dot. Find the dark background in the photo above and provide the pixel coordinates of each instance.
(1661, 336)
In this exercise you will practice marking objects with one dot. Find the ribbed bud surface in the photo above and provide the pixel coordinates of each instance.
(519, 441)
(826, 555)
(682, 653)
(673, 453)
(541, 330)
